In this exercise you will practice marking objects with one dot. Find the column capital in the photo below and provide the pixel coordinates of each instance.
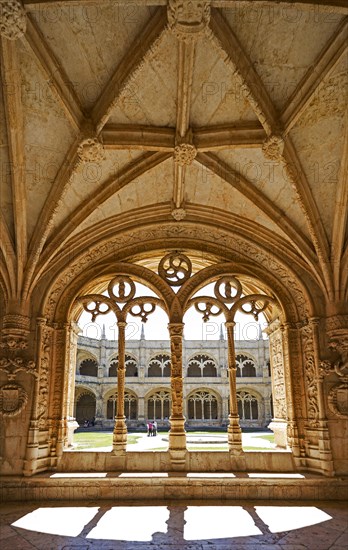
(176, 329)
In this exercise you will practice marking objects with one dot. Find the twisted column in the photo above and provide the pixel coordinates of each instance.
(120, 428)
(234, 431)
(177, 434)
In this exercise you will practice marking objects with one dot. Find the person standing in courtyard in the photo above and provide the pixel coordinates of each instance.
(154, 428)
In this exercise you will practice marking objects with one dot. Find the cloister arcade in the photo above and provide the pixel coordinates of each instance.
(146, 368)
(213, 153)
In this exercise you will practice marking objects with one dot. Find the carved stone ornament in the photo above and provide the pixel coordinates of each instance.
(179, 214)
(13, 21)
(13, 398)
(11, 342)
(188, 20)
(338, 400)
(13, 365)
(184, 154)
(91, 150)
(273, 147)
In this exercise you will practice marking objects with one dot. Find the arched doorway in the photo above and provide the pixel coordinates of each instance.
(85, 406)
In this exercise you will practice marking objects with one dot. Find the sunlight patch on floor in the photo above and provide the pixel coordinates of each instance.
(208, 522)
(290, 476)
(288, 518)
(131, 523)
(64, 521)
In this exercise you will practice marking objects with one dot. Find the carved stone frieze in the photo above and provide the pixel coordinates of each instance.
(13, 343)
(310, 373)
(278, 386)
(188, 20)
(240, 249)
(184, 154)
(13, 365)
(13, 21)
(13, 399)
(43, 391)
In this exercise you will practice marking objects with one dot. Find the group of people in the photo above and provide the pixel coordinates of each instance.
(152, 428)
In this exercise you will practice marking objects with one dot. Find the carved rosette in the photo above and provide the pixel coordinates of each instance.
(179, 214)
(310, 373)
(91, 150)
(184, 154)
(13, 21)
(13, 399)
(188, 20)
(273, 147)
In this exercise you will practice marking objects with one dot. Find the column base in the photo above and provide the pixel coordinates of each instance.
(234, 436)
(119, 441)
(279, 428)
(72, 426)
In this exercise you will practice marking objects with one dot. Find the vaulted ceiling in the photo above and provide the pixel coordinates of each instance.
(210, 112)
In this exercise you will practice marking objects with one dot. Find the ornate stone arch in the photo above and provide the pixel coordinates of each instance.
(85, 402)
(159, 365)
(202, 364)
(131, 404)
(203, 404)
(158, 402)
(131, 363)
(249, 403)
(246, 364)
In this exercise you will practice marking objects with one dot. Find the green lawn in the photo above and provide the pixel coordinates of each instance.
(91, 440)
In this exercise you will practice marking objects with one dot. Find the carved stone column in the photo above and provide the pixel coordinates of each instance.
(177, 434)
(317, 428)
(56, 421)
(324, 436)
(279, 421)
(293, 380)
(120, 429)
(39, 408)
(72, 425)
(234, 431)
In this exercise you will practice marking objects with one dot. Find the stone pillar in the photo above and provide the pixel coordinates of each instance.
(317, 427)
(56, 421)
(268, 415)
(120, 429)
(99, 407)
(234, 431)
(225, 411)
(279, 422)
(72, 425)
(177, 435)
(141, 409)
(102, 366)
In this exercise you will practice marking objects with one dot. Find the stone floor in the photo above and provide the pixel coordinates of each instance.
(171, 525)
